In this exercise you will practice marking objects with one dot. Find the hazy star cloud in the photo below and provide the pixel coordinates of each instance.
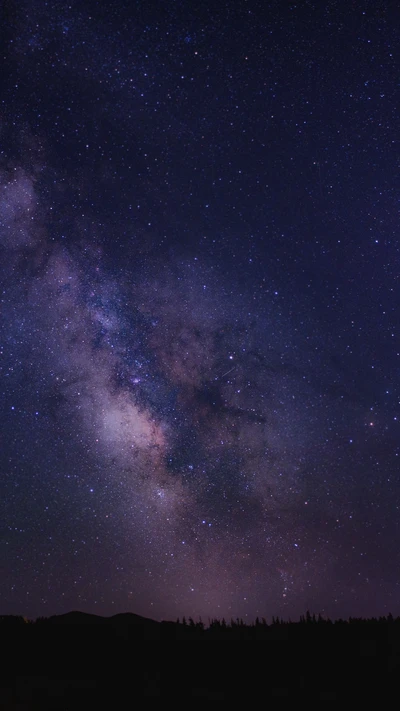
(17, 210)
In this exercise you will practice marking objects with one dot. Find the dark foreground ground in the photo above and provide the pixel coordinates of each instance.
(83, 662)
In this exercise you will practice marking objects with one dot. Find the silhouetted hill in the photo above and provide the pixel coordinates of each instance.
(129, 618)
(77, 618)
(123, 620)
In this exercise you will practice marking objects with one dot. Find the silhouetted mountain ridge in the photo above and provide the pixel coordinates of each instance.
(76, 617)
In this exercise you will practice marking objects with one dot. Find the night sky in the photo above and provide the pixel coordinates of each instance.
(200, 312)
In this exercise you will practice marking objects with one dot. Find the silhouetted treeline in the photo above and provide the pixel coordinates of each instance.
(308, 625)
(187, 628)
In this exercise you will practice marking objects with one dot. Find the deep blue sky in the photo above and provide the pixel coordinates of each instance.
(200, 308)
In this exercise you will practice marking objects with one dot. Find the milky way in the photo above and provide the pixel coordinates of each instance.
(191, 416)
(175, 404)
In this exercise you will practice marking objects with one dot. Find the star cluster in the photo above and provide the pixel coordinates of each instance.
(199, 293)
